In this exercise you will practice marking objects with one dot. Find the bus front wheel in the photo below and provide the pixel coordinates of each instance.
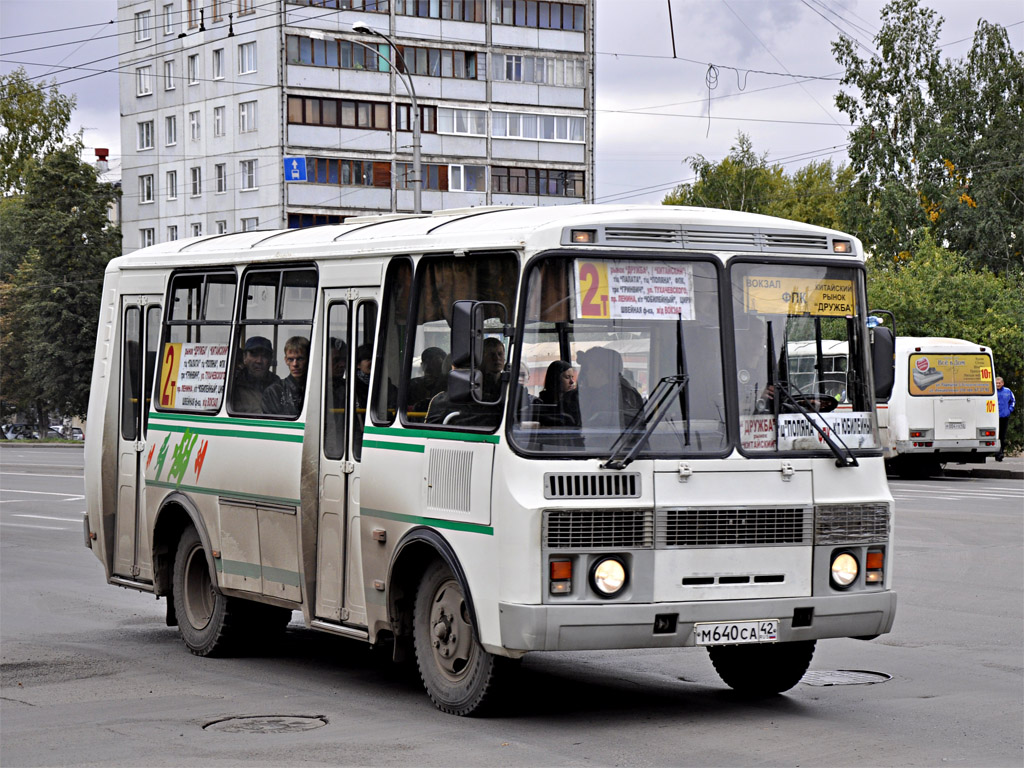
(457, 672)
(762, 669)
(205, 617)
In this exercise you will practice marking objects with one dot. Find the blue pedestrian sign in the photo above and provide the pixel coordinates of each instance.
(295, 169)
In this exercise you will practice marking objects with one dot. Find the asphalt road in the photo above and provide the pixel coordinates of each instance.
(92, 676)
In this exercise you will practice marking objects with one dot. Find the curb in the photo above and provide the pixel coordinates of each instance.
(999, 474)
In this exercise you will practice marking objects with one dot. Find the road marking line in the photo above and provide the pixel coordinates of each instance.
(37, 474)
(37, 527)
(46, 517)
(40, 493)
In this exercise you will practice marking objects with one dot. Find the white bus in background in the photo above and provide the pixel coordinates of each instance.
(941, 407)
(686, 492)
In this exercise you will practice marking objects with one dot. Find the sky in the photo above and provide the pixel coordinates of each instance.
(731, 69)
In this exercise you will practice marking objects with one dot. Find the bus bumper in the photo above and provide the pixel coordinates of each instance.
(609, 626)
(959, 451)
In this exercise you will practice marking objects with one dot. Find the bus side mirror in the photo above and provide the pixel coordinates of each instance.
(883, 348)
(470, 320)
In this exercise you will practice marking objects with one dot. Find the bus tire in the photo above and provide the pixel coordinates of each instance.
(457, 672)
(762, 669)
(205, 617)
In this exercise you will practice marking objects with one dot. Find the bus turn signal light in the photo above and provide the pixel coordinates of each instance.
(561, 577)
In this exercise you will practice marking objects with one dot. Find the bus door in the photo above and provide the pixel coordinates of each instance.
(140, 316)
(351, 320)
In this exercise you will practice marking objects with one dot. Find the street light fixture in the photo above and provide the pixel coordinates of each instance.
(417, 181)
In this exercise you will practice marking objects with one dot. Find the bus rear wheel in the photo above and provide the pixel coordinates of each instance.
(459, 675)
(205, 617)
(762, 669)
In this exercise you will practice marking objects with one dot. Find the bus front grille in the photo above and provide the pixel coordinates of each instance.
(599, 529)
(734, 527)
(851, 523)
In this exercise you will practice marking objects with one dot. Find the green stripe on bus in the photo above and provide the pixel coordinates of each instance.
(466, 437)
(433, 522)
(226, 420)
(228, 433)
(410, 447)
(242, 495)
(254, 571)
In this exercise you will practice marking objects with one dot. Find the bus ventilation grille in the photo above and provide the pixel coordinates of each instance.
(647, 235)
(599, 528)
(796, 243)
(592, 485)
(851, 523)
(734, 527)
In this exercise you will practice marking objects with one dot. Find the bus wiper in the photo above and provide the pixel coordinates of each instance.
(844, 456)
(654, 410)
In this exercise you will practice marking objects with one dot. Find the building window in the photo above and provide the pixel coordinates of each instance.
(467, 10)
(169, 84)
(145, 135)
(146, 188)
(246, 58)
(472, 122)
(467, 178)
(193, 69)
(143, 26)
(218, 64)
(245, 6)
(172, 233)
(216, 8)
(247, 117)
(543, 70)
(197, 181)
(369, 6)
(218, 121)
(540, 15)
(428, 118)
(435, 177)
(193, 125)
(172, 185)
(545, 182)
(433, 62)
(358, 173)
(344, 113)
(192, 12)
(220, 172)
(337, 53)
(222, 227)
(250, 224)
(169, 25)
(197, 229)
(171, 130)
(146, 237)
(515, 125)
(143, 81)
(247, 168)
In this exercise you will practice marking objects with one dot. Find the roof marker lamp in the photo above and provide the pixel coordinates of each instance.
(583, 236)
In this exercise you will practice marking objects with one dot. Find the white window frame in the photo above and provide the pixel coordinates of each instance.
(218, 121)
(197, 229)
(169, 79)
(218, 64)
(514, 126)
(247, 171)
(171, 182)
(220, 173)
(143, 26)
(250, 224)
(247, 112)
(196, 181)
(222, 226)
(195, 128)
(172, 233)
(144, 81)
(458, 172)
(147, 237)
(170, 130)
(247, 58)
(464, 115)
(146, 189)
(169, 25)
(144, 135)
(193, 69)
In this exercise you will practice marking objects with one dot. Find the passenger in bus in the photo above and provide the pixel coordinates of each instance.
(285, 397)
(364, 359)
(334, 425)
(254, 376)
(423, 388)
(442, 411)
(559, 379)
(602, 397)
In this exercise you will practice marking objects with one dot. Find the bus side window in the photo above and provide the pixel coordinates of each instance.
(391, 344)
(366, 324)
(131, 383)
(152, 350)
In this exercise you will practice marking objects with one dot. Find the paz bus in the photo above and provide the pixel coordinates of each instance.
(679, 489)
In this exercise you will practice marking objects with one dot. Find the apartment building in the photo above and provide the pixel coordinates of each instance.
(223, 102)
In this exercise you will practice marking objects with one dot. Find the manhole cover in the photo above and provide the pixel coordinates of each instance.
(267, 724)
(844, 677)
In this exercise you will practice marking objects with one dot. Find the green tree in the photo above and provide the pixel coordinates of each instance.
(59, 235)
(34, 120)
(937, 292)
(935, 144)
(814, 195)
(743, 181)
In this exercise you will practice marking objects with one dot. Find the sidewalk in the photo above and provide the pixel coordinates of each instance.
(1010, 468)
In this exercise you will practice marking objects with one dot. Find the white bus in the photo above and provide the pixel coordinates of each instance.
(348, 422)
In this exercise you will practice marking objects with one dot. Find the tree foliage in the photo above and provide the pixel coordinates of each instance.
(936, 144)
(34, 121)
(59, 236)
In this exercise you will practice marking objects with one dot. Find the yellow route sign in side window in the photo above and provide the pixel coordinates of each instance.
(773, 295)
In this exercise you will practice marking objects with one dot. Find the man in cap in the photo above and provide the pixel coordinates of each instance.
(254, 376)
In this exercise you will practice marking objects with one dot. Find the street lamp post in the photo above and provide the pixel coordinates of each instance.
(417, 181)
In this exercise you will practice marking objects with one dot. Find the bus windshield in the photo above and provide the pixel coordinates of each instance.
(801, 366)
(601, 335)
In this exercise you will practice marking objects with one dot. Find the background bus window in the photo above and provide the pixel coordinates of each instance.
(336, 381)
(366, 324)
(391, 344)
(131, 384)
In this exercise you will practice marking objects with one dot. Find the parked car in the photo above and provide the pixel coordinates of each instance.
(18, 432)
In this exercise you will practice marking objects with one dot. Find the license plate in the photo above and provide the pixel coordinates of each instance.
(955, 425)
(737, 632)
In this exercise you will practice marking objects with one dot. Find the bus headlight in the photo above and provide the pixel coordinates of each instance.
(844, 570)
(608, 576)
